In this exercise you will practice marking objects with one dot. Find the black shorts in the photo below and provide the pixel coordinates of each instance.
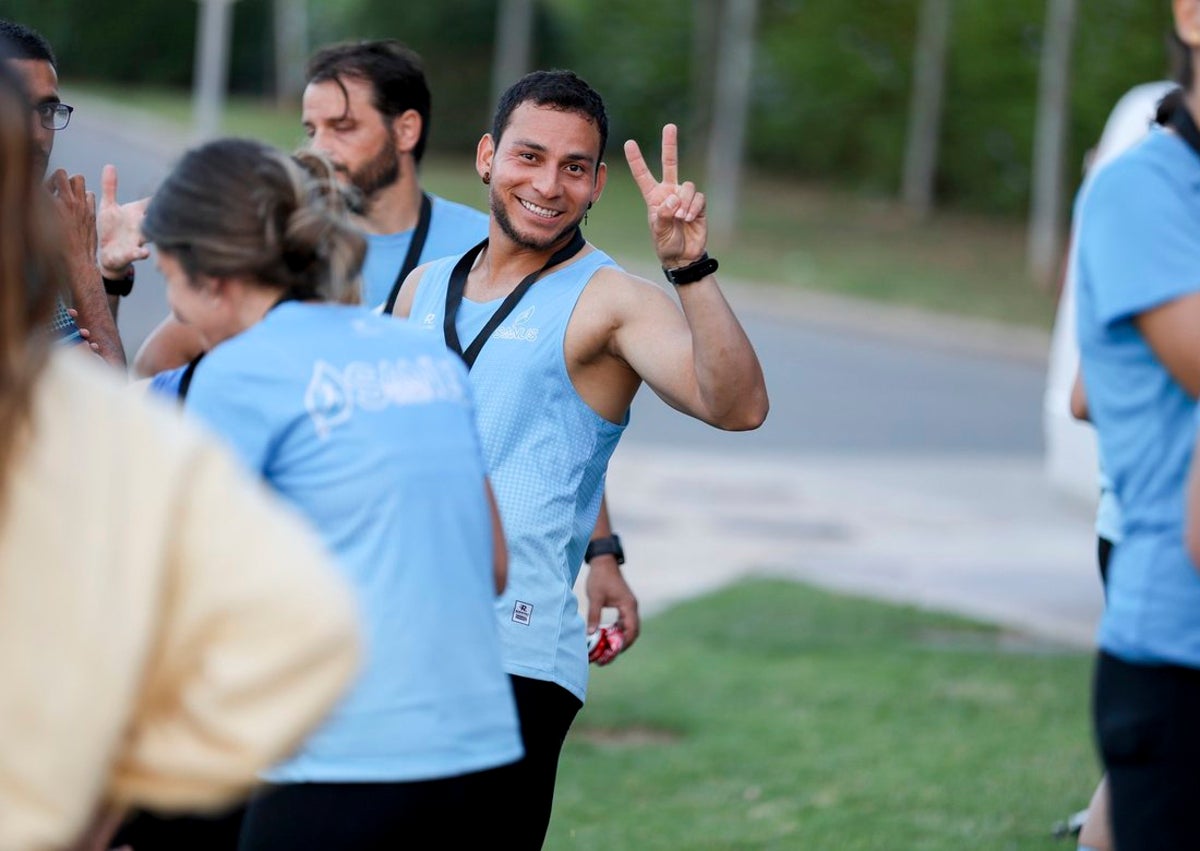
(1147, 721)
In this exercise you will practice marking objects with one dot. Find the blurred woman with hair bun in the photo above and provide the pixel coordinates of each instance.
(366, 426)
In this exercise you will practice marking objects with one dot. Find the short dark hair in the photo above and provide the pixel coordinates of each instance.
(557, 89)
(18, 41)
(394, 71)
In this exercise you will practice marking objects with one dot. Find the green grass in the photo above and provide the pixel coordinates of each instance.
(792, 235)
(775, 716)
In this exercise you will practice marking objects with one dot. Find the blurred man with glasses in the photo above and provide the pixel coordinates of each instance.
(30, 55)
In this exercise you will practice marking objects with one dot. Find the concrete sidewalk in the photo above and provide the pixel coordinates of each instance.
(982, 536)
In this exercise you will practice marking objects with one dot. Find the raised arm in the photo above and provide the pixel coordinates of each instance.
(120, 234)
(76, 208)
(169, 346)
(1170, 331)
(700, 362)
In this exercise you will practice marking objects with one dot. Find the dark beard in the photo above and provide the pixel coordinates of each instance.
(520, 239)
(379, 172)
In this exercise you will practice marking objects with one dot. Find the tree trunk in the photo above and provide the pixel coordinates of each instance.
(1050, 132)
(726, 149)
(211, 72)
(514, 40)
(291, 49)
(925, 109)
(706, 29)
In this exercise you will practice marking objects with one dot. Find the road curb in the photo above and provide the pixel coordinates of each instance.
(899, 323)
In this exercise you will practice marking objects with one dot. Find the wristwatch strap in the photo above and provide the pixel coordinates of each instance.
(603, 547)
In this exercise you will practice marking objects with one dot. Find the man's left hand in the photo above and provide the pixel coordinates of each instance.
(607, 588)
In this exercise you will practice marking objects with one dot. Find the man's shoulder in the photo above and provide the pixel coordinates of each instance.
(455, 227)
(461, 212)
(1161, 162)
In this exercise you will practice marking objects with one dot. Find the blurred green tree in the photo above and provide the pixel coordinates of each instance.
(830, 97)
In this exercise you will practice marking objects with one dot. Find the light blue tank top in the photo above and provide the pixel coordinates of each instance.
(547, 453)
(365, 427)
(453, 228)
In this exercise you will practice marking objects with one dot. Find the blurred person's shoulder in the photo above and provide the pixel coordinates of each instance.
(1143, 178)
(459, 213)
(1130, 121)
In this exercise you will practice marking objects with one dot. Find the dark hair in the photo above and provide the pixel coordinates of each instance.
(18, 41)
(1181, 60)
(30, 266)
(240, 207)
(562, 90)
(393, 70)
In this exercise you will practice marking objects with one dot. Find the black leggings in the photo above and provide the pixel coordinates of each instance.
(454, 812)
(547, 711)
(1148, 725)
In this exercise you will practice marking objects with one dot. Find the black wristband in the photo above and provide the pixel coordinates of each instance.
(692, 272)
(604, 547)
(119, 286)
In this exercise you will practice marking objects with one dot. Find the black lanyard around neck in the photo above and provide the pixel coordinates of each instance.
(420, 234)
(458, 285)
(1181, 121)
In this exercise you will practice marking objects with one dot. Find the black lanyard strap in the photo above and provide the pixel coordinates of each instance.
(420, 234)
(1182, 122)
(458, 285)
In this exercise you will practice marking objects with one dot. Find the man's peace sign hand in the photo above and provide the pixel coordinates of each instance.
(677, 222)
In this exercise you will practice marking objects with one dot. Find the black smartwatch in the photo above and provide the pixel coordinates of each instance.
(119, 286)
(605, 547)
(692, 272)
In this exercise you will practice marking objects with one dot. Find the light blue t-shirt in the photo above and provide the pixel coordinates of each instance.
(453, 228)
(1139, 248)
(365, 425)
(1108, 509)
(166, 383)
(547, 453)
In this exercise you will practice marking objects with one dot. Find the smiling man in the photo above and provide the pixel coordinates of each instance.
(553, 395)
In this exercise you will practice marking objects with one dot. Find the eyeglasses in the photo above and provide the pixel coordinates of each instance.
(54, 116)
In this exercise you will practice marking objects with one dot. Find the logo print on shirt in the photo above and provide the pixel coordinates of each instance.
(333, 395)
(326, 398)
(522, 613)
(519, 329)
(427, 322)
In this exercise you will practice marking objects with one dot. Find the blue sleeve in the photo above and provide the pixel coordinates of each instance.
(233, 400)
(166, 383)
(1139, 240)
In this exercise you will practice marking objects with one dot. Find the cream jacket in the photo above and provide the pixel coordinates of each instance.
(167, 629)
